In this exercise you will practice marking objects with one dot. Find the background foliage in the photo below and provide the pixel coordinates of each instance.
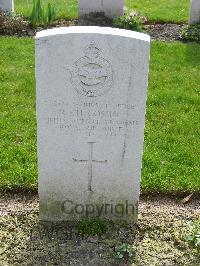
(155, 10)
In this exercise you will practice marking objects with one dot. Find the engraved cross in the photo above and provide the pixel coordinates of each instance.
(90, 162)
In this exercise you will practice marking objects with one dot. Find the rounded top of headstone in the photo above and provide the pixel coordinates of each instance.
(93, 30)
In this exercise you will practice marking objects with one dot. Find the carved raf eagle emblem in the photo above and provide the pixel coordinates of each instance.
(92, 75)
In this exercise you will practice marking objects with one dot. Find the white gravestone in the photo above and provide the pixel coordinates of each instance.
(194, 12)
(111, 8)
(7, 5)
(91, 96)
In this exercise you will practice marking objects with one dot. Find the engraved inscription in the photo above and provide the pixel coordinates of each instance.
(92, 118)
(92, 75)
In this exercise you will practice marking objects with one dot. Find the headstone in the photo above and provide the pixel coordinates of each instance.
(110, 8)
(7, 5)
(194, 12)
(91, 96)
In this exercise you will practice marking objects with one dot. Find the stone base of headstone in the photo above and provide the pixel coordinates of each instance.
(108, 8)
(95, 19)
(7, 5)
(194, 12)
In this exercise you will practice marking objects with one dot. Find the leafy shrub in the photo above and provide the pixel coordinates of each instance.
(51, 13)
(131, 21)
(191, 33)
(193, 233)
(37, 13)
(2, 18)
(125, 251)
(40, 16)
(91, 227)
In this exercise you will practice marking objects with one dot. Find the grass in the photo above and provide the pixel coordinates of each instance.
(172, 143)
(17, 146)
(66, 8)
(176, 11)
(172, 138)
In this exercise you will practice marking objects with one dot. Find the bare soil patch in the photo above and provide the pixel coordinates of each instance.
(164, 32)
(159, 237)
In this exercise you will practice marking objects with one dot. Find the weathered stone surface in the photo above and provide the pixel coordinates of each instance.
(194, 12)
(7, 5)
(109, 7)
(91, 97)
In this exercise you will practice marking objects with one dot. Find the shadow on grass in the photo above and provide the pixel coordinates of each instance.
(192, 54)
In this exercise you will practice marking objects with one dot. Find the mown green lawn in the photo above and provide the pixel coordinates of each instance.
(156, 10)
(176, 11)
(172, 137)
(66, 8)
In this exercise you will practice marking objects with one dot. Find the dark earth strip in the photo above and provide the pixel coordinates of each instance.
(163, 32)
